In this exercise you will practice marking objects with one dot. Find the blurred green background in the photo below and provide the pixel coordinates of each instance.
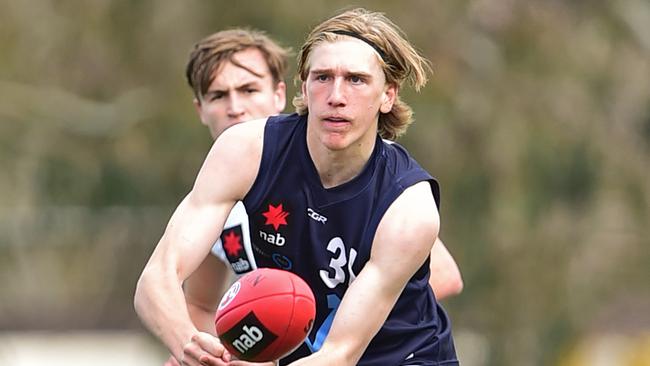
(536, 123)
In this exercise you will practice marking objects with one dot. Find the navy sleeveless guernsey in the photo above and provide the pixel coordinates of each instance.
(325, 236)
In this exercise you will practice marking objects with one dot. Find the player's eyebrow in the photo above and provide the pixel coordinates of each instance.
(214, 92)
(328, 71)
(246, 85)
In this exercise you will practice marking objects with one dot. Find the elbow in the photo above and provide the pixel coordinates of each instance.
(444, 287)
(454, 285)
(457, 283)
(137, 297)
(140, 296)
(457, 286)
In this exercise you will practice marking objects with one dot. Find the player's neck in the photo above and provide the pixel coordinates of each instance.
(336, 167)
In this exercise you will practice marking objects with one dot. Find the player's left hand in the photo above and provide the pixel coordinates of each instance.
(206, 350)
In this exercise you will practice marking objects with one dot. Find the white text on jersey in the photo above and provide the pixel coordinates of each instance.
(316, 216)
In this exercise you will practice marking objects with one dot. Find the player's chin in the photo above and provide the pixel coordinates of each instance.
(336, 141)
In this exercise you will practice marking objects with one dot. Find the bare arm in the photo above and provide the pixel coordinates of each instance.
(191, 232)
(203, 290)
(402, 243)
(445, 277)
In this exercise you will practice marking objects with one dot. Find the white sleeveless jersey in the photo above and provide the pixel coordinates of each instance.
(234, 245)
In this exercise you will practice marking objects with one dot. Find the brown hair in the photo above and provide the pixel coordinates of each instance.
(399, 60)
(211, 52)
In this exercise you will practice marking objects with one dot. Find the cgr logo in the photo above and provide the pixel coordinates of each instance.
(249, 337)
(316, 216)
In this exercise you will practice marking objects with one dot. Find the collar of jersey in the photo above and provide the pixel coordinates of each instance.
(343, 191)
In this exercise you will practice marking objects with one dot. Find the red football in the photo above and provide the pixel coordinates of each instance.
(265, 315)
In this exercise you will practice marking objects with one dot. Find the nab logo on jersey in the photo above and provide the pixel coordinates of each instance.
(275, 239)
(241, 266)
(249, 336)
(231, 240)
(275, 216)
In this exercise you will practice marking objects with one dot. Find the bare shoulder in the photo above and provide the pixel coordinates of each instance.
(410, 224)
(415, 208)
(241, 138)
(234, 159)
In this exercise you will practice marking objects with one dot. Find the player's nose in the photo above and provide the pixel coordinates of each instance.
(235, 107)
(336, 95)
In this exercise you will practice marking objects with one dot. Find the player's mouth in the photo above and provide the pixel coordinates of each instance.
(336, 120)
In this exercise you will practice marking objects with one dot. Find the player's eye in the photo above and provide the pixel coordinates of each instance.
(355, 79)
(322, 77)
(218, 95)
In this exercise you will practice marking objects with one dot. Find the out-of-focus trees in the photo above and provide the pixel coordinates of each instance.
(536, 122)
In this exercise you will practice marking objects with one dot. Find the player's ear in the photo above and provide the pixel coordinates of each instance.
(199, 110)
(280, 96)
(388, 98)
(303, 92)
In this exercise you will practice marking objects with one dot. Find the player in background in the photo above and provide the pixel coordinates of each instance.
(237, 75)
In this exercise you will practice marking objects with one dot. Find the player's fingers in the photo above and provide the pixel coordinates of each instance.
(212, 361)
(206, 350)
(210, 344)
(209, 360)
(226, 356)
(192, 353)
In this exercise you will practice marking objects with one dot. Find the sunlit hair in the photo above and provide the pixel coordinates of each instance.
(401, 62)
(210, 53)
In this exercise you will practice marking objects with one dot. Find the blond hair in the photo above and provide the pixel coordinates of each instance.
(399, 60)
(210, 53)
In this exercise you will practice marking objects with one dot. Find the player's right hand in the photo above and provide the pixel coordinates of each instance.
(204, 349)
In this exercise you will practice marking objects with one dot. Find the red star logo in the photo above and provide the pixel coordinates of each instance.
(275, 216)
(232, 243)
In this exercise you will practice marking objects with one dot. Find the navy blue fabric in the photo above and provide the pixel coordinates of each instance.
(296, 224)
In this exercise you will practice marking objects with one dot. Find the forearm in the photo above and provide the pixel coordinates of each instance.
(202, 318)
(203, 290)
(354, 325)
(160, 304)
